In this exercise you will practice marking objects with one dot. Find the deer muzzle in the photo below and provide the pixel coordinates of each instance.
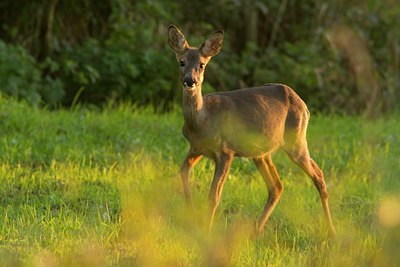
(189, 83)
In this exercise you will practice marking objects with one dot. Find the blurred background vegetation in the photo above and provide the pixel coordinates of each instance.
(340, 56)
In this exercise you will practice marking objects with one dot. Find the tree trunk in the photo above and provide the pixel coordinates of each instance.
(45, 37)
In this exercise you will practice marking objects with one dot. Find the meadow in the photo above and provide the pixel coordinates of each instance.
(91, 187)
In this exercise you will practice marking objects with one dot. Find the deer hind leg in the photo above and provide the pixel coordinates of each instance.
(222, 166)
(190, 161)
(300, 155)
(275, 188)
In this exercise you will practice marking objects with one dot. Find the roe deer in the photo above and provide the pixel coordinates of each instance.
(250, 122)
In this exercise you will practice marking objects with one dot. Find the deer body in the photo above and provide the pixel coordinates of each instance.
(227, 122)
(250, 122)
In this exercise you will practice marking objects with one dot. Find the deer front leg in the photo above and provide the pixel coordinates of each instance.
(190, 161)
(222, 165)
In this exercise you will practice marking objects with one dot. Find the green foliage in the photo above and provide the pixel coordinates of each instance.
(19, 75)
(129, 63)
(23, 78)
(118, 50)
(120, 70)
(94, 188)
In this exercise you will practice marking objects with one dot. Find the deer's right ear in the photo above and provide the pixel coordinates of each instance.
(177, 40)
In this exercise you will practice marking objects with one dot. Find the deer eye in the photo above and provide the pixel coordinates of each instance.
(201, 65)
(181, 63)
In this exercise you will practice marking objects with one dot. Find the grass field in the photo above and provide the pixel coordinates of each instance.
(99, 188)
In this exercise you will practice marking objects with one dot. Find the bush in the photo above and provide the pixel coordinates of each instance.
(113, 70)
(22, 77)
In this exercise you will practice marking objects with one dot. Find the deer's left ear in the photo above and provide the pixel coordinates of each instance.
(177, 40)
(212, 45)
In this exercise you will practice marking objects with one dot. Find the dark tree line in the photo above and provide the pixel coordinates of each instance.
(339, 55)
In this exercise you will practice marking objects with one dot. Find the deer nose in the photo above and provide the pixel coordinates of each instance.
(189, 82)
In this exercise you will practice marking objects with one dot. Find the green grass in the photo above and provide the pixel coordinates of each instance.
(99, 188)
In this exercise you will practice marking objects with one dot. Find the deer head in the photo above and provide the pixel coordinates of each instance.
(192, 60)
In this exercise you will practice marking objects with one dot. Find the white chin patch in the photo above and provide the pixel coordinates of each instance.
(190, 88)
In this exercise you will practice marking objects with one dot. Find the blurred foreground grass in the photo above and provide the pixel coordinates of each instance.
(100, 188)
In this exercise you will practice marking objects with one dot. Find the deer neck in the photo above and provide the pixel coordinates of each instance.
(193, 108)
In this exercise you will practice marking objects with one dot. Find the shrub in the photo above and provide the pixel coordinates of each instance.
(22, 77)
(118, 71)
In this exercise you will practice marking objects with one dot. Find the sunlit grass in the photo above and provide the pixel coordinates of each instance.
(94, 188)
